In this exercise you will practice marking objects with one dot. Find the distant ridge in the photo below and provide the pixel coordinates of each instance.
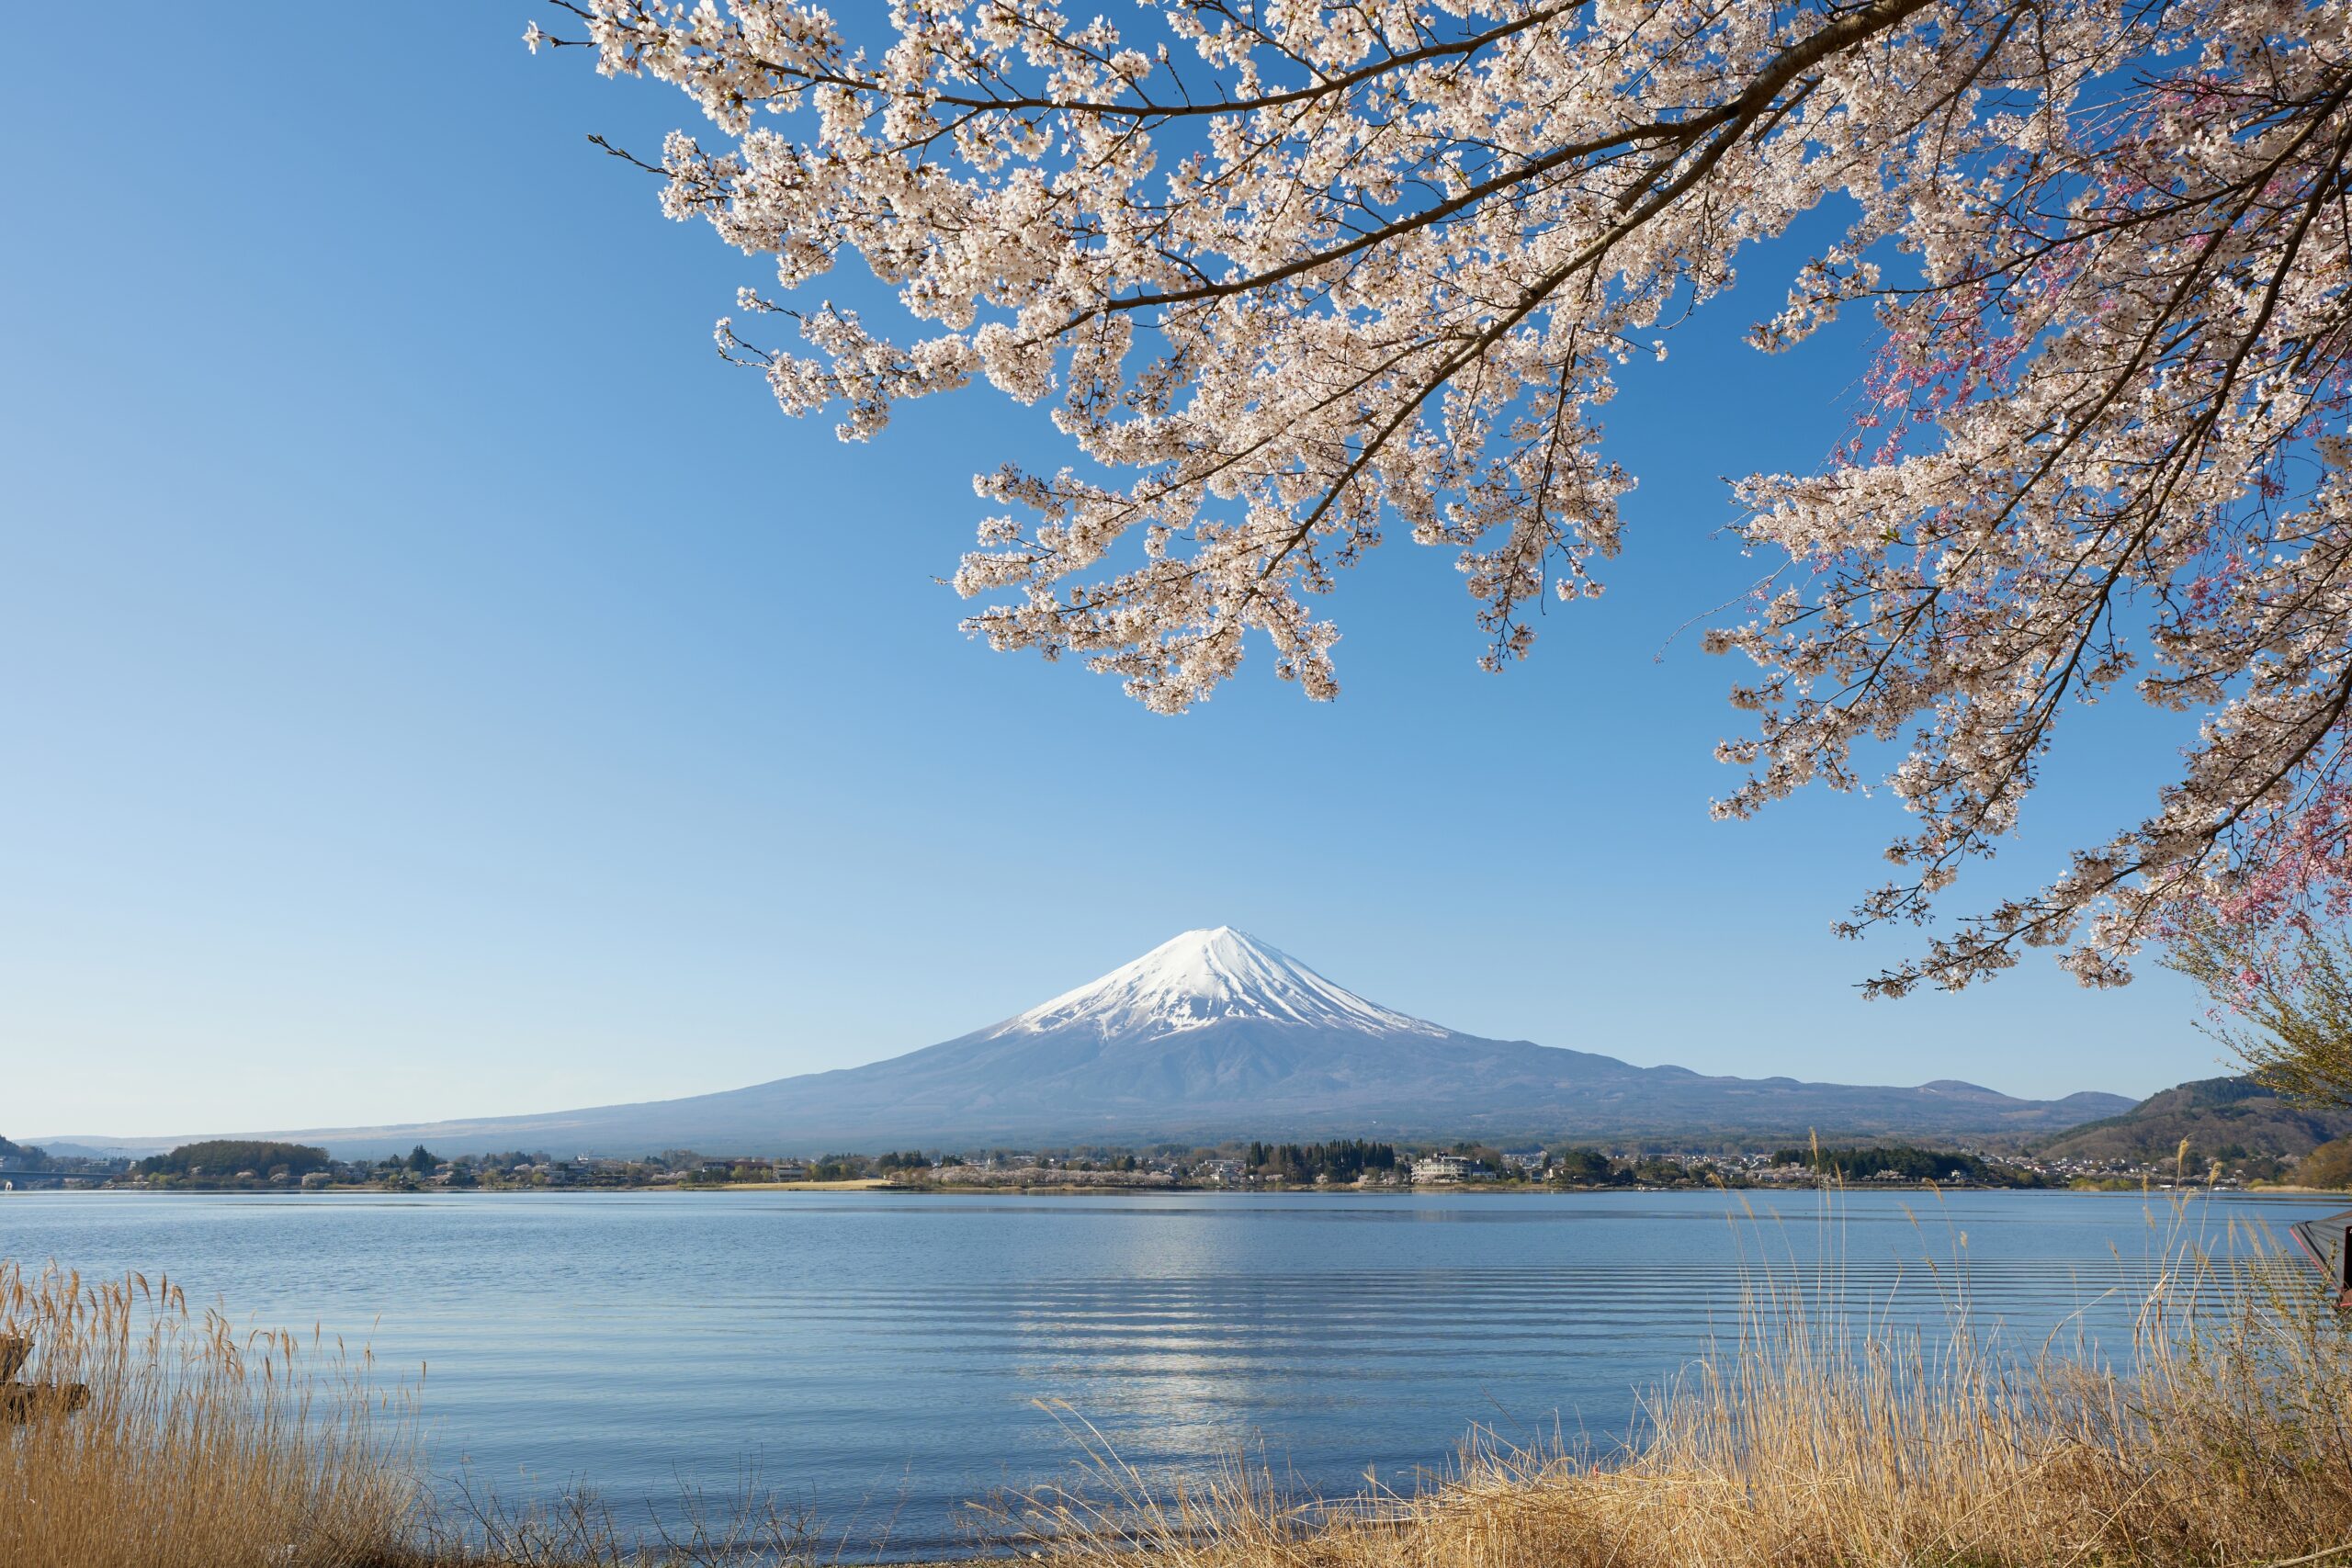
(1216, 1034)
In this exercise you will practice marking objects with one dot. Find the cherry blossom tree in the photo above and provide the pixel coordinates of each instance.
(2284, 1009)
(1292, 273)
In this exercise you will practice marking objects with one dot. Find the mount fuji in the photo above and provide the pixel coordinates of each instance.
(1216, 1034)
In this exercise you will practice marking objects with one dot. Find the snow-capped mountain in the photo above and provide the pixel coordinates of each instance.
(1203, 978)
(1215, 1035)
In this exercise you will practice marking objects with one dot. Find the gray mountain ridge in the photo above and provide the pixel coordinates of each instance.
(1211, 1035)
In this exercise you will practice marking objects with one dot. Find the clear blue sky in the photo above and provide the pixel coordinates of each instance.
(434, 684)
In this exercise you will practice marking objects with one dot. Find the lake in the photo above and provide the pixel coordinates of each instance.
(881, 1356)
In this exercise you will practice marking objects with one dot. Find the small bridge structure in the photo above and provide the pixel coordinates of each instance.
(2327, 1242)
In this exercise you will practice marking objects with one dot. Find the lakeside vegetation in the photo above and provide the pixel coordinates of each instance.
(234, 1159)
(1814, 1439)
(1353, 1164)
(1902, 1162)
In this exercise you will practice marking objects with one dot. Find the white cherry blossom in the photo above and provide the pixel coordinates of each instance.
(1294, 275)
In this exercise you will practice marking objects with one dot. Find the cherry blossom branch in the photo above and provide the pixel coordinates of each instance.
(1293, 277)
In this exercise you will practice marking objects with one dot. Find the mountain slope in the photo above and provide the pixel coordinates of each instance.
(2230, 1119)
(1216, 1034)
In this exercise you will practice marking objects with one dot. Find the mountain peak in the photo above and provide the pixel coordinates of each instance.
(1214, 975)
(1216, 1034)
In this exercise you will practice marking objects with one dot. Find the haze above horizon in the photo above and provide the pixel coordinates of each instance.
(428, 698)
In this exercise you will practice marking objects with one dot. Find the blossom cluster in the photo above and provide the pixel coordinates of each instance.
(1293, 272)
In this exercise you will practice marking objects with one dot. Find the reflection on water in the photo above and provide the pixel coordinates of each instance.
(884, 1356)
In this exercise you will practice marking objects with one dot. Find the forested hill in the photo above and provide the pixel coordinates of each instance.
(22, 1156)
(2228, 1118)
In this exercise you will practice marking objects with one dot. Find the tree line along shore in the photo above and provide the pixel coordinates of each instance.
(1352, 1165)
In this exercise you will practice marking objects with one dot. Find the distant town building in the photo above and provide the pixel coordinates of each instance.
(1447, 1167)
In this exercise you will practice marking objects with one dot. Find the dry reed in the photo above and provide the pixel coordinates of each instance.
(195, 1445)
(1824, 1437)
(198, 1446)
(746, 1527)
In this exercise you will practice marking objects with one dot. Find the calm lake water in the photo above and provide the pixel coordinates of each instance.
(881, 1357)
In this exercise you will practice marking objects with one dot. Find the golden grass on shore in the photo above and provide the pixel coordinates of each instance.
(198, 1447)
(2217, 1439)
(2221, 1437)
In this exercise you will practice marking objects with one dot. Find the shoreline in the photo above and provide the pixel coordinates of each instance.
(1097, 1189)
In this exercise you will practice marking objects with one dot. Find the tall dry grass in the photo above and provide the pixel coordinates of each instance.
(194, 1444)
(746, 1527)
(199, 1446)
(1824, 1437)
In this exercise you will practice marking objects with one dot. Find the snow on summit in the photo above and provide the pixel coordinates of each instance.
(1218, 1035)
(1209, 976)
